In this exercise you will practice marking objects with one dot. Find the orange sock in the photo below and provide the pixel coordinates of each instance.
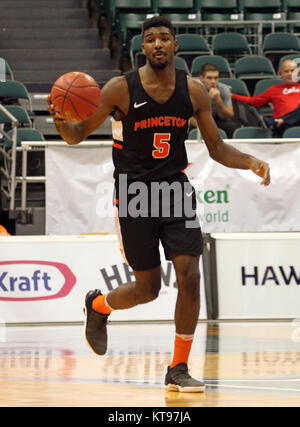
(182, 348)
(100, 305)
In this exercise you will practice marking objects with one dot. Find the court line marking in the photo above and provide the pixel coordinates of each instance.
(245, 380)
(254, 387)
(131, 382)
(250, 387)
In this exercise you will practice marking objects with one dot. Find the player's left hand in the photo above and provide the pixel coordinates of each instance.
(261, 169)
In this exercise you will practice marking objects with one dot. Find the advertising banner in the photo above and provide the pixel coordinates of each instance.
(232, 200)
(79, 190)
(45, 279)
(258, 275)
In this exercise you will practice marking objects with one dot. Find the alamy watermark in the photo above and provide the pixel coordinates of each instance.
(154, 199)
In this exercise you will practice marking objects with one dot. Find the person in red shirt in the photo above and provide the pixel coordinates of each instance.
(284, 97)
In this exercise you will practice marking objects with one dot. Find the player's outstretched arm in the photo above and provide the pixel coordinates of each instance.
(113, 96)
(223, 153)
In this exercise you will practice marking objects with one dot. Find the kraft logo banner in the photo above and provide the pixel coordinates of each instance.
(25, 280)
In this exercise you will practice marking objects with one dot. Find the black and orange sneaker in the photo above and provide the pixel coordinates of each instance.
(178, 379)
(95, 325)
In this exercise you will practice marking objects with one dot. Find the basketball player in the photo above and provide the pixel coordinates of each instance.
(152, 107)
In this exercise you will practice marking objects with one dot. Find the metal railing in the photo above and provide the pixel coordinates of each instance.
(10, 159)
(27, 146)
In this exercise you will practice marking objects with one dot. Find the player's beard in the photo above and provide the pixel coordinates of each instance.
(159, 65)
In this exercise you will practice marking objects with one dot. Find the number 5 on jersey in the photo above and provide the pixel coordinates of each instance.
(162, 145)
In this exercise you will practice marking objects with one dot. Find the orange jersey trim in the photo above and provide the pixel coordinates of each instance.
(119, 146)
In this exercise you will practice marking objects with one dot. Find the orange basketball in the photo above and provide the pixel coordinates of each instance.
(76, 95)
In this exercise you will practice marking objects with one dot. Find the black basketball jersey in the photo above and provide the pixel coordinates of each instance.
(149, 141)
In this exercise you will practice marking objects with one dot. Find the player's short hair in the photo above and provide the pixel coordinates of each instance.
(208, 67)
(158, 21)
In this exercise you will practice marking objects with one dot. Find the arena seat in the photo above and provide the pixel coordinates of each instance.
(5, 70)
(15, 90)
(182, 17)
(237, 86)
(128, 27)
(181, 64)
(193, 134)
(222, 10)
(19, 113)
(263, 85)
(190, 46)
(220, 62)
(251, 132)
(291, 5)
(277, 45)
(286, 43)
(23, 134)
(293, 132)
(271, 6)
(173, 6)
(231, 45)
(266, 10)
(136, 54)
(118, 7)
(222, 133)
(254, 67)
(294, 16)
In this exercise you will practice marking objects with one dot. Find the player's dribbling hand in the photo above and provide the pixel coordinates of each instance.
(54, 112)
(261, 169)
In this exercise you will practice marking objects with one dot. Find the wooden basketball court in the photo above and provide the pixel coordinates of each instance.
(243, 364)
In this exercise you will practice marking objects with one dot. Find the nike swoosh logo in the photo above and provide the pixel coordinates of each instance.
(189, 194)
(139, 105)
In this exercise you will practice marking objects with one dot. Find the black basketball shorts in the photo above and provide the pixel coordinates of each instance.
(158, 212)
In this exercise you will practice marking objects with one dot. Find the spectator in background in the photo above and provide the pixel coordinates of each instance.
(284, 97)
(220, 96)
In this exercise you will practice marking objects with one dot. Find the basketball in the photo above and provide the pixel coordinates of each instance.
(76, 95)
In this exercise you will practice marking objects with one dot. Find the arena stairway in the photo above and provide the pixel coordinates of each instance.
(44, 39)
(41, 40)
